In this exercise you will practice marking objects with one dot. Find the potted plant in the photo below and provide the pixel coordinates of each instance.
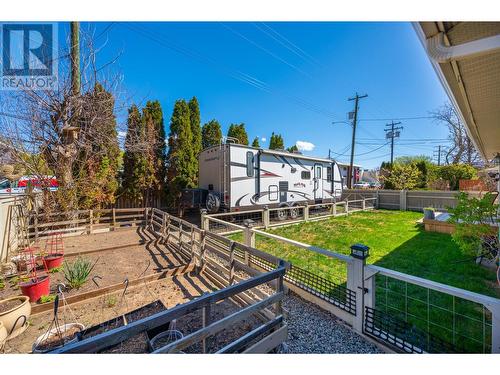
(37, 285)
(56, 337)
(3, 336)
(14, 314)
(429, 213)
(54, 252)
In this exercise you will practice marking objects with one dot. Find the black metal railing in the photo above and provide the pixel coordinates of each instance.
(337, 295)
(403, 336)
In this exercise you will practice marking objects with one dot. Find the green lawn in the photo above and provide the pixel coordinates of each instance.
(397, 242)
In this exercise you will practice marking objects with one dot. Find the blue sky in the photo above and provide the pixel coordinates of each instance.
(290, 78)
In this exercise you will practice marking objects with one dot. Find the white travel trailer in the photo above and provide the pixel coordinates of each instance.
(234, 177)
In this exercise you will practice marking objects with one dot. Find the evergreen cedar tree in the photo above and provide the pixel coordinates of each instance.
(181, 158)
(255, 142)
(238, 131)
(211, 134)
(97, 170)
(276, 142)
(293, 148)
(145, 153)
(194, 116)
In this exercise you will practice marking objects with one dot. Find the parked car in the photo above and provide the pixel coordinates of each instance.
(361, 185)
(19, 187)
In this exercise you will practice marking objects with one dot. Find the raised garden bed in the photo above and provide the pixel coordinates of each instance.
(171, 291)
(112, 266)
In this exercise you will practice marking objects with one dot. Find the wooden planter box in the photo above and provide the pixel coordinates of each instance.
(438, 226)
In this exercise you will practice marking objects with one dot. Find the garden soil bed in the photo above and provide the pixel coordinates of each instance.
(9, 305)
(113, 266)
(171, 291)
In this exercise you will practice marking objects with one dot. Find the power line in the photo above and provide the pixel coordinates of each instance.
(275, 35)
(264, 49)
(398, 118)
(236, 74)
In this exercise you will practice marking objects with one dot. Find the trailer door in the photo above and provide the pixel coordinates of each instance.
(318, 181)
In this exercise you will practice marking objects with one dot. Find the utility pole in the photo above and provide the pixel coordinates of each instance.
(438, 153)
(354, 123)
(392, 132)
(75, 58)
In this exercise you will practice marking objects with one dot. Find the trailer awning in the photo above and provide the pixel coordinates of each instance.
(466, 58)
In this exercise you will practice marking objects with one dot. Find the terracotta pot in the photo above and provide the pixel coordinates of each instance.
(53, 332)
(3, 335)
(36, 288)
(53, 261)
(16, 317)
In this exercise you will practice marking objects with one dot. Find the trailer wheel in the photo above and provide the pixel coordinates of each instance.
(294, 212)
(212, 203)
(282, 214)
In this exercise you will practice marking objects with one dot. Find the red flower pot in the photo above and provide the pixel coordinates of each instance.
(53, 260)
(35, 288)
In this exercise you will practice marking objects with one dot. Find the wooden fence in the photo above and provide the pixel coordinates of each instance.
(199, 247)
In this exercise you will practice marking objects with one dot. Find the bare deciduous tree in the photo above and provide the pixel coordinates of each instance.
(57, 132)
(462, 149)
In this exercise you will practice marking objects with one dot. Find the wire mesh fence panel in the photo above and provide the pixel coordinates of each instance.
(219, 227)
(340, 208)
(320, 210)
(370, 203)
(355, 205)
(239, 218)
(437, 317)
(279, 216)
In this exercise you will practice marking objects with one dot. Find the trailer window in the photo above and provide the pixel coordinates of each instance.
(250, 164)
(305, 175)
(329, 174)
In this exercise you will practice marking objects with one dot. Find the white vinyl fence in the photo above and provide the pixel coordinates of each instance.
(405, 200)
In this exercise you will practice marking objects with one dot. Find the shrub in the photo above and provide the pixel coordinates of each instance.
(472, 218)
(76, 273)
(453, 173)
(402, 177)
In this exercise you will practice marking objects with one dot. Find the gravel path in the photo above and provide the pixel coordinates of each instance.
(314, 330)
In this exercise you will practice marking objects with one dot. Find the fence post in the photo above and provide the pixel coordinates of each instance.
(201, 258)
(91, 220)
(279, 289)
(192, 243)
(206, 312)
(114, 219)
(204, 220)
(248, 234)
(377, 204)
(402, 200)
(232, 263)
(355, 282)
(167, 229)
(306, 212)
(363, 204)
(265, 217)
(347, 207)
(495, 328)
